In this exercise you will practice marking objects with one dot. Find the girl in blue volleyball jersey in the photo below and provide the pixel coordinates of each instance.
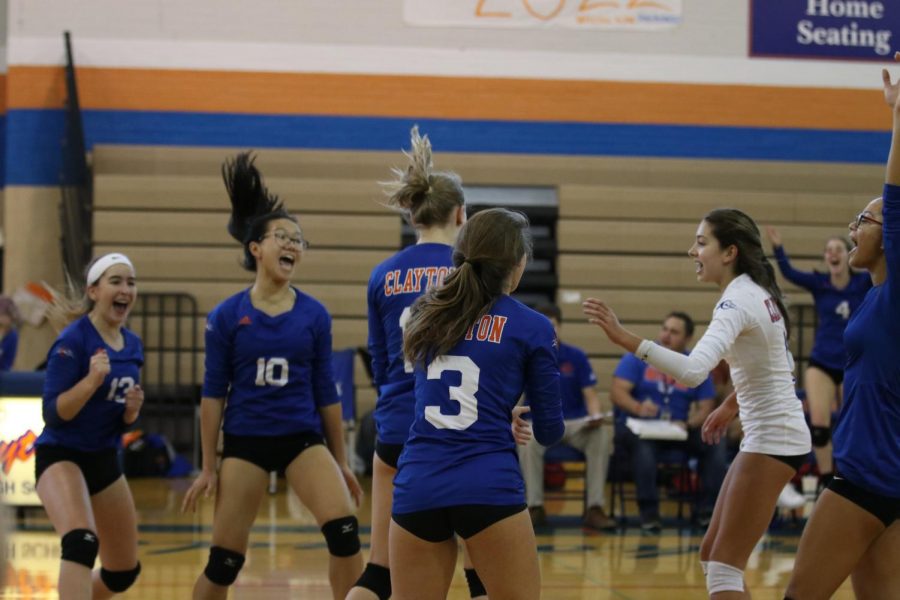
(474, 350)
(433, 203)
(268, 369)
(837, 294)
(91, 394)
(9, 333)
(855, 527)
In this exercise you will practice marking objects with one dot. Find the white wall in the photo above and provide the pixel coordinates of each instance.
(369, 36)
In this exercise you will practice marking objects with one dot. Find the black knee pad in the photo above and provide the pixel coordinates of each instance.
(376, 579)
(80, 546)
(119, 581)
(342, 536)
(476, 587)
(223, 566)
(820, 436)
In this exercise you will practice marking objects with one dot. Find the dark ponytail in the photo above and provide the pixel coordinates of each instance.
(488, 248)
(252, 205)
(732, 227)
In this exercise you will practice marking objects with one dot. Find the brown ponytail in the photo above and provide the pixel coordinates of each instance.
(488, 248)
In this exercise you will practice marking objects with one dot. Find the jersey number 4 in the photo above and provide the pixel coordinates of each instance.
(464, 393)
(272, 371)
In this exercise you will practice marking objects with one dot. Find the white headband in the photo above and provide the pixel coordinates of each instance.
(103, 263)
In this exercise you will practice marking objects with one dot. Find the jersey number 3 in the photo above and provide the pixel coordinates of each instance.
(464, 393)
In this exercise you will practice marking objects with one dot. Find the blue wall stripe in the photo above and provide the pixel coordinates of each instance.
(33, 138)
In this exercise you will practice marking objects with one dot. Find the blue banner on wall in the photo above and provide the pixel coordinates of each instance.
(836, 29)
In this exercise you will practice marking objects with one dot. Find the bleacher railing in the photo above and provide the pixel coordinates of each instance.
(168, 324)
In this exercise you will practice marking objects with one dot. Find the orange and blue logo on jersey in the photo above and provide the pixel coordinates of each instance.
(566, 368)
(414, 279)
(63, 351)
(245, 320)
(489, 328)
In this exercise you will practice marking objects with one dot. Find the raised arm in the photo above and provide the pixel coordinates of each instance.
(892, 98)
(891, 198)
(801, 278)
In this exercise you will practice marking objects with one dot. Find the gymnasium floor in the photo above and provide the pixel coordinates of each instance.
(288, 558)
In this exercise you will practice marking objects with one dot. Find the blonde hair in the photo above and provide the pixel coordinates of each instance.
(423, 196)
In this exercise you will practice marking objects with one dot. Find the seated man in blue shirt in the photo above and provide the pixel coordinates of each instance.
(585, 430)
(640, 391)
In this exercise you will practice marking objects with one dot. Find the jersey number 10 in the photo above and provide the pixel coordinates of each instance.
(272, 371)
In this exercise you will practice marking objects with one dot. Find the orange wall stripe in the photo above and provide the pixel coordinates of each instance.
(452, 98)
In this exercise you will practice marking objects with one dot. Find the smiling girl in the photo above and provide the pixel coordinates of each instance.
(268, 370)
(91, 394)
(749, 330)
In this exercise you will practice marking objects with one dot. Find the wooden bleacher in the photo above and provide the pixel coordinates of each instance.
(624, 228)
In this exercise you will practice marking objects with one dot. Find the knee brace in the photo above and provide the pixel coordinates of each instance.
(723, 578)
(820, 436)
(342, 536)
(223, 566)
(80, 546)
(119, 581)
(376, 579)
(476, 587)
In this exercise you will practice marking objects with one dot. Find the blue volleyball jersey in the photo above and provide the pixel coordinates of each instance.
(275, 372)
(393, 286)
(460, 448)
(8, 348)
(833, 308)
(575, 374)
(867, 436)
(663, 390)
(98, 425)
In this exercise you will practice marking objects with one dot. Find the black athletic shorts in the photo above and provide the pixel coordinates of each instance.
(100, 469)
(794, 462)
(887, 509)
(388, 453)
(836, 375)
(269, 453)
(439, 524)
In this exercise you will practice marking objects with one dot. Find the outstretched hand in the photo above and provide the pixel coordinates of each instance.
(601, 314)
(891, 90)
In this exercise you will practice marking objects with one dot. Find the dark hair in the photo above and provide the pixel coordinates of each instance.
(8, 307)
(252, 205)
(551, 311)
(732, 227)
(488, 248)
(424, 197)
(841, 239)
(686, 318)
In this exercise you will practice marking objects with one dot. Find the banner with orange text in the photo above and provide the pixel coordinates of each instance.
(634, 15)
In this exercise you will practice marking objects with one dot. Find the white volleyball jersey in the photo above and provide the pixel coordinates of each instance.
(747, 330)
